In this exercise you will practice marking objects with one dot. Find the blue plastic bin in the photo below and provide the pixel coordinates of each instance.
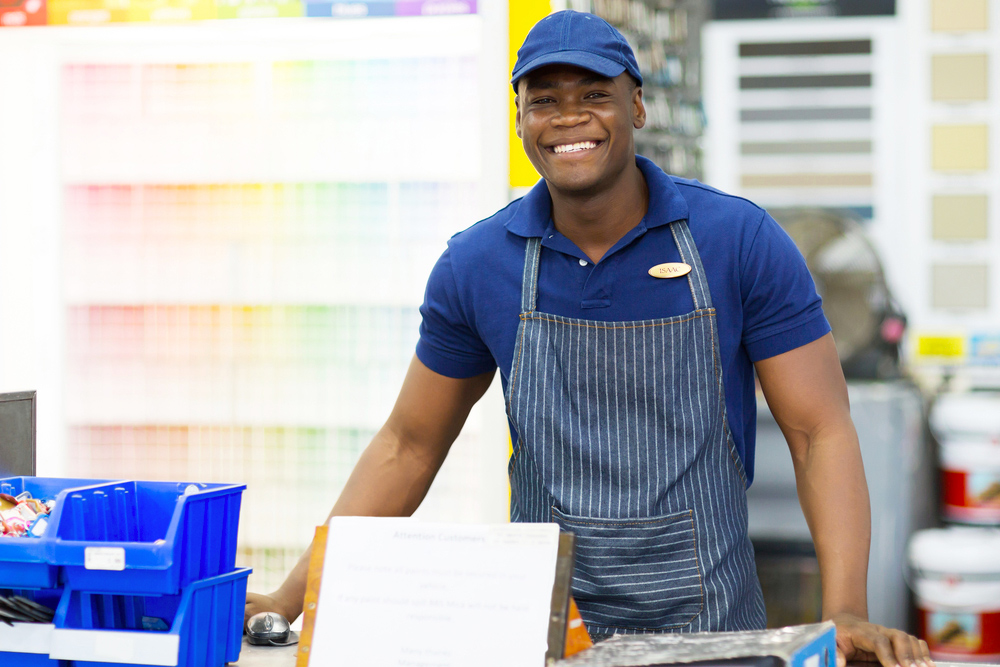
(146, 537)
(205, 624)
(29, 660)
(25, 645)
(25, 561)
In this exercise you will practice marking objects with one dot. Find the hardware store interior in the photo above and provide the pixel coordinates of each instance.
(221, 235)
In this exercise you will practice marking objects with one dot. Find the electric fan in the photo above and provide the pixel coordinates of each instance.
(867, 324)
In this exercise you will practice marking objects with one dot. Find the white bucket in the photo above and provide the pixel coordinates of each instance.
(956, 580)
(970, 481)
(970, 414)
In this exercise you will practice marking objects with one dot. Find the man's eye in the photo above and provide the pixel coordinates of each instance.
(596, 94)
(541, 100)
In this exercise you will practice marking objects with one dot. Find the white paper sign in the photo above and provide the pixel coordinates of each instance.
(401, 593)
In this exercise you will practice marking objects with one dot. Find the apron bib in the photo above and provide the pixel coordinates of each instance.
(623, 440)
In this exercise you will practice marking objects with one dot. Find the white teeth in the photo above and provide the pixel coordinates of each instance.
(572, 148)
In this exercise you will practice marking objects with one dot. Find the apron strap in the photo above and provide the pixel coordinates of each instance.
(697, 281)
(689, 255)
(529, 281)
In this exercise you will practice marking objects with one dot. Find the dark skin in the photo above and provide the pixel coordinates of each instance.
(576, 128)
(595, 190)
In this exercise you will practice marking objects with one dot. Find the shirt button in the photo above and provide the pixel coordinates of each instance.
(583, 262)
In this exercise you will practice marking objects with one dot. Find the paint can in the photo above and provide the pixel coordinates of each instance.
(968, 430)
(970, 481)
(973, 414)
(955, 576)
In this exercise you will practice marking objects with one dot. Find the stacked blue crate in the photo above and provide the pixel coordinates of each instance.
(144, 573)
(28, 643)
(26, 563)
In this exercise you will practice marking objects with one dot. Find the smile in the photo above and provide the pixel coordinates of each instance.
(575, 148)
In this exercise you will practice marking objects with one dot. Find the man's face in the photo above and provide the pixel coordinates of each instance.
(576, 125)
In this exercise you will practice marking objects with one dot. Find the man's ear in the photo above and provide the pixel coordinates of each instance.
(517, 115)
(638, 109)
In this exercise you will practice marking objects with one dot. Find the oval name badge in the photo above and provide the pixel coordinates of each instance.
(670, 270)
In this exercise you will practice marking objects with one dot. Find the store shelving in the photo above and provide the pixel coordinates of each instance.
(665, 37)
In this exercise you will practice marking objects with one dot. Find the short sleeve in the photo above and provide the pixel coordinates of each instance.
(781, 308)
(448, 343)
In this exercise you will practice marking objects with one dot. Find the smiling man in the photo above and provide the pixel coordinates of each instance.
(627, 311)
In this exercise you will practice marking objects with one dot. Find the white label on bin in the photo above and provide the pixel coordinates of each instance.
(104, 558)
(121, 646)
(26, 637)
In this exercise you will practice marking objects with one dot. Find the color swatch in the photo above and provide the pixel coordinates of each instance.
(16, 13)
(960, 286)
(959, 15)
(960, 77)
(247, 9)
(962, 217)
(960, 147)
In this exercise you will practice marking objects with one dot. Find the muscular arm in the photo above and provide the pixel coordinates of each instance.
(396, 469)
(807, 394)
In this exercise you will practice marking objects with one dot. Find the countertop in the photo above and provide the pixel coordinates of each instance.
(266, 656)
(284, 656)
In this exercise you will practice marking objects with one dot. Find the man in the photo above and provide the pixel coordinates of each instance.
(627, 311)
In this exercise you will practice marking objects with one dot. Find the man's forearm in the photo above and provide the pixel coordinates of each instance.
(834, 497)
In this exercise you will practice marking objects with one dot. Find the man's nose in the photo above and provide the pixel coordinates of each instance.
(570, 114)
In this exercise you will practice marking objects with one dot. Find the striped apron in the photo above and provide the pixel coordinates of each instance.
(622, 439)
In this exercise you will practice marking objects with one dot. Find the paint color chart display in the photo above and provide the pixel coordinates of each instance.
(267, 212)
(956, 107)
(340, 120)
(245, 246)
(812, 125)
(251, 365)
(286, 242)
(894, 121)
(99, 12)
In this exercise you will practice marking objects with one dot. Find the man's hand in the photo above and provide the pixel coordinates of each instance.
(257, 603)
(861, 641)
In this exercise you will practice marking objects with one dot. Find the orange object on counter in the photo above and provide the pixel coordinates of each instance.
(577, 637)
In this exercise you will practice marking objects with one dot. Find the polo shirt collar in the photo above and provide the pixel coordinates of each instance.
(666, 205)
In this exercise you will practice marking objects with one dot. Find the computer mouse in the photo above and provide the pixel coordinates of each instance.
(268, 629)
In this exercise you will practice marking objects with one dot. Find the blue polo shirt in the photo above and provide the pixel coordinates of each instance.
(765, 299)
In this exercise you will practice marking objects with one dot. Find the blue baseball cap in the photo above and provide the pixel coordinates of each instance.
(575, 38)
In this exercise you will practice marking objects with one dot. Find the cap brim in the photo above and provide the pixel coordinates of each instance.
(584, 59)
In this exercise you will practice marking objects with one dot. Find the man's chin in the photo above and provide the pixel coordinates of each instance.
(576, 185)
(566, 178)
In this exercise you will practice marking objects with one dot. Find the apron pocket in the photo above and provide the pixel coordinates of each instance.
(636, 574)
